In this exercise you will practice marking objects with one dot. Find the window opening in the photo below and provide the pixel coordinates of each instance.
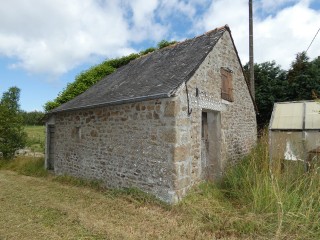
(226, 84)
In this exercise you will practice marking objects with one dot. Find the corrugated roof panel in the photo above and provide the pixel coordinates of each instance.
(312, 115)
(288, 116)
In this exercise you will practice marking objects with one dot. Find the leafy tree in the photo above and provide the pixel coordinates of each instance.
(32, 118)
(304, 78)
(12, 136)
(270, 86)
(10, 99)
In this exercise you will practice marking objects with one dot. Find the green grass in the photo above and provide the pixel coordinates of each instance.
(36, 138)
(28, 166)
(252, 201)
(289, 199)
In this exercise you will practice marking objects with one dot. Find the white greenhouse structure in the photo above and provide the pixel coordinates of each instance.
(294, 132)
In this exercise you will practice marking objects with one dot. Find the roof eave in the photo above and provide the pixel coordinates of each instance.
(118, 102)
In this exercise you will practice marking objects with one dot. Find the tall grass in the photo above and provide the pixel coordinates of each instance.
(29, 166)
(290, 199)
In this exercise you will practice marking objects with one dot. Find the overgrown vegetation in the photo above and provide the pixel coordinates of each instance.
(287, 199)
(165, 43)
(12, 135)
(251, 201)
(94, 74)
(28, 166)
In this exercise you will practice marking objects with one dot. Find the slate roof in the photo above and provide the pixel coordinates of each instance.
(155, 75)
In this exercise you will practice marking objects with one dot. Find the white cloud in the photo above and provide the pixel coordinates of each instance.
(144, 25)
(170, 7)
(235, 15)
(272, 5)
(277, 37)
(286, 34)
(55, 36)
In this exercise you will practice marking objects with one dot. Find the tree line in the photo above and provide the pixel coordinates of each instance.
(33, 118)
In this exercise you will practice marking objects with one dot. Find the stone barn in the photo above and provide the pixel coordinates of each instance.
(162, 123)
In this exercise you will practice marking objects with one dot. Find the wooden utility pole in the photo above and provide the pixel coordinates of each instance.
(251, 62)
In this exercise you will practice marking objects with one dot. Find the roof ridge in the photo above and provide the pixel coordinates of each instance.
(225, 27)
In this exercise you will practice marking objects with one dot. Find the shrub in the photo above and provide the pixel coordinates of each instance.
(148, 50)
(165, 43)
(12, 135)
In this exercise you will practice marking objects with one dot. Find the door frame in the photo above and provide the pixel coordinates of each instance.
(49, 125)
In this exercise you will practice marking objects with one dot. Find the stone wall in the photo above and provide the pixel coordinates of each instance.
(130, 145)
(238, 122)
(156, 145)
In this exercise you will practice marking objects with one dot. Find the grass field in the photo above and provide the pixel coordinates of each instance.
(39, 208)
(36, 138)
(251, 202)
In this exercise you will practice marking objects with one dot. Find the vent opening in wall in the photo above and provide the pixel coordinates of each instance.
(76, 133)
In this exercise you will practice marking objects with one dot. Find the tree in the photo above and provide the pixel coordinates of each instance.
(32, 118)
(300, 82)
(12, 135)
(304, 78)
(270, 86)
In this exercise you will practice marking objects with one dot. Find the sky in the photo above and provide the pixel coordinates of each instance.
(45, 44)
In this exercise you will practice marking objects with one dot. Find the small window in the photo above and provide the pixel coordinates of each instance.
(226, 84)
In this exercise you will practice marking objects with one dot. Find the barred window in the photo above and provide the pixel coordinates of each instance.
(226, 85)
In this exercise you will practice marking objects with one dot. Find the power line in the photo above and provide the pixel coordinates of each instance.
(313, 40)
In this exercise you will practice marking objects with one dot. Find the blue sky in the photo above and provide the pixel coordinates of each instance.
(45, 44)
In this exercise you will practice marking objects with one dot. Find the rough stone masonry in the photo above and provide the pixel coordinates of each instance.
(160, 145)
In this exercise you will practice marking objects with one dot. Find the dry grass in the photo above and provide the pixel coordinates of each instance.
(250, 203)
(38, 208)
(44, 208)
